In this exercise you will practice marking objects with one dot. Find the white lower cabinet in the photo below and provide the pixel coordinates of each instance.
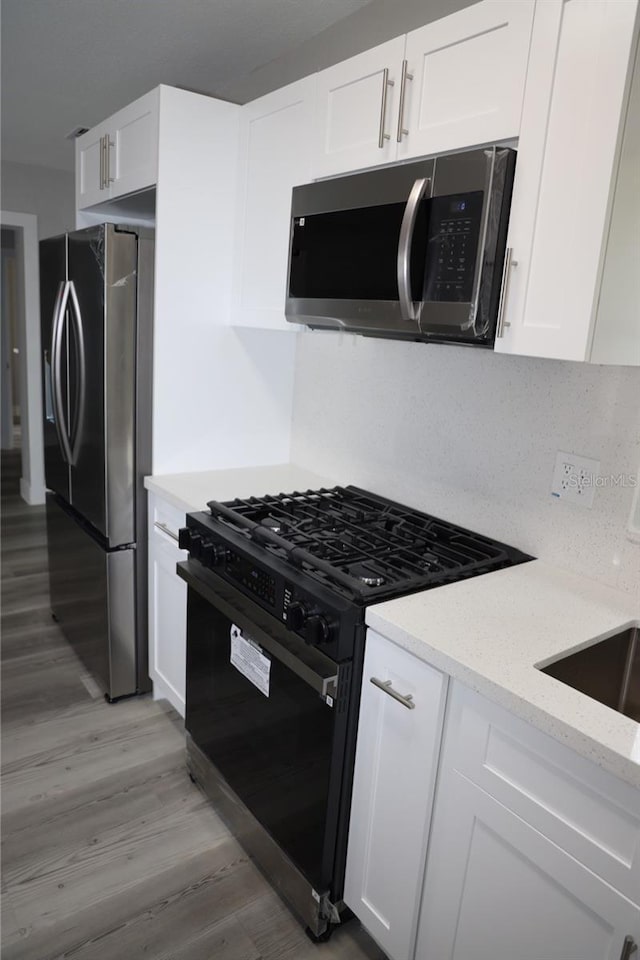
(167, 605)
(496, 889)
(534, 851)
(528, 851)
(395, 772)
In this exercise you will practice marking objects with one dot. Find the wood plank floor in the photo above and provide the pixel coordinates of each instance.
(108, 850)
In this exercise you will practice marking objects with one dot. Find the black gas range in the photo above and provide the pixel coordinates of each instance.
(278, 587)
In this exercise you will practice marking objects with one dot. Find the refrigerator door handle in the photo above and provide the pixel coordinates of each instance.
(49, 360)
(79, 413)
(56, 369)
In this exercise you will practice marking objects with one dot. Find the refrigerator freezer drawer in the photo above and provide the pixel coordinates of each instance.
(93, 598)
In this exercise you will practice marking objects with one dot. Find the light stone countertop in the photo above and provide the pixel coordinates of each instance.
(491, 631)
(191, 491)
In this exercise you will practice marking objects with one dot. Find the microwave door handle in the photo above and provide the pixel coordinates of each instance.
(407, 309)
(56, 364)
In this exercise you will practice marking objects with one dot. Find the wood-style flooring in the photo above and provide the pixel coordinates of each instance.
(109, 852)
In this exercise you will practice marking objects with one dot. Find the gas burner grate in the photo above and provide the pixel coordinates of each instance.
(360, 543)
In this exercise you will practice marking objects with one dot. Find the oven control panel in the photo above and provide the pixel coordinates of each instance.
(302, 611)
(253, 578)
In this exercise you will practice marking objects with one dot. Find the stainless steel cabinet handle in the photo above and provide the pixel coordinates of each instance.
(406, 700)
(166, 529)
(403, 86)
(108, 143)
(382, 136)
(102, 163)
(509, 262)
(418, 190)
(79, 415)
(629, 947)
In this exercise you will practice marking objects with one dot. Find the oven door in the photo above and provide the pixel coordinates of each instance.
(270, 713)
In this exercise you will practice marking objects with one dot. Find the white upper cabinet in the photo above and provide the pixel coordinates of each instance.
(464, 78)
(454, 83)
(133, 159)
(573, 122)
(91, 186)
(358, 109)
(276, 134)
(399, 733)
(617, 328)
(120, 155)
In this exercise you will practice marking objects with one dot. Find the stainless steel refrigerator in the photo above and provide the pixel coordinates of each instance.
(96, 301)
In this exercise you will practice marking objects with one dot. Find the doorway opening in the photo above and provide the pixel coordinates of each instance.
(10, 429)
(20, 360)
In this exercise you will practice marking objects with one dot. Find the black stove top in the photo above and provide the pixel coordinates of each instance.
(360, 544)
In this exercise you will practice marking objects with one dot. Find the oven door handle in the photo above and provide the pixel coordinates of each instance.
(317, 670)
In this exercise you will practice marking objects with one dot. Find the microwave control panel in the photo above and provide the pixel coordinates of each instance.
(452, 248)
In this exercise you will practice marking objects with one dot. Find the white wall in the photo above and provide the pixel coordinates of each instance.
(472, 436)
(222, 397)
(47, 193)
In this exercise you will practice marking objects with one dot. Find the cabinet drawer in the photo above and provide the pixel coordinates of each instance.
(165, 520)
(586, 811)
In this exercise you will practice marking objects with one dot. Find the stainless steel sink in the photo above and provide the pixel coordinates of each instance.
(608, 671)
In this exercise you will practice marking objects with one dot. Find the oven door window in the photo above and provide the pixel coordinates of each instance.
(353, 254)
(277, 752)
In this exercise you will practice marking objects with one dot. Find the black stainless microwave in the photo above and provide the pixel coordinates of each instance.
(414, 251)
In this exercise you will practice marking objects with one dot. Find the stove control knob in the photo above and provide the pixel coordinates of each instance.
(218, 555)
(205, 552)
(193, 543)
(211, 554)
(297, 614)
(318, 630)
(184, 538)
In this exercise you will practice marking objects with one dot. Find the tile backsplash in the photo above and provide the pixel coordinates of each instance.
(472, 436)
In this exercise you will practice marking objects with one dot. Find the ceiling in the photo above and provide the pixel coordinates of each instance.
(70, 63)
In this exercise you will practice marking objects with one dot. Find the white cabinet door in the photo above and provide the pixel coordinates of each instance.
(91, 187)
(617, 331)
(133, 146)
(167, 608)
(119, 156)
(358, 109)
(576, 90)
(396, 761)
(276, 143)
(496, 888)
(467, 78)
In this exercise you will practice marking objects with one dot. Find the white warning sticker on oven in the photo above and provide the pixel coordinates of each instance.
(247, 657)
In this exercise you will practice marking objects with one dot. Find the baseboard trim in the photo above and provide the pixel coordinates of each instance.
(33, 497)
(163, 690)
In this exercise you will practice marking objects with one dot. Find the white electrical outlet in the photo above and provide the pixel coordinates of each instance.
(575, 479)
